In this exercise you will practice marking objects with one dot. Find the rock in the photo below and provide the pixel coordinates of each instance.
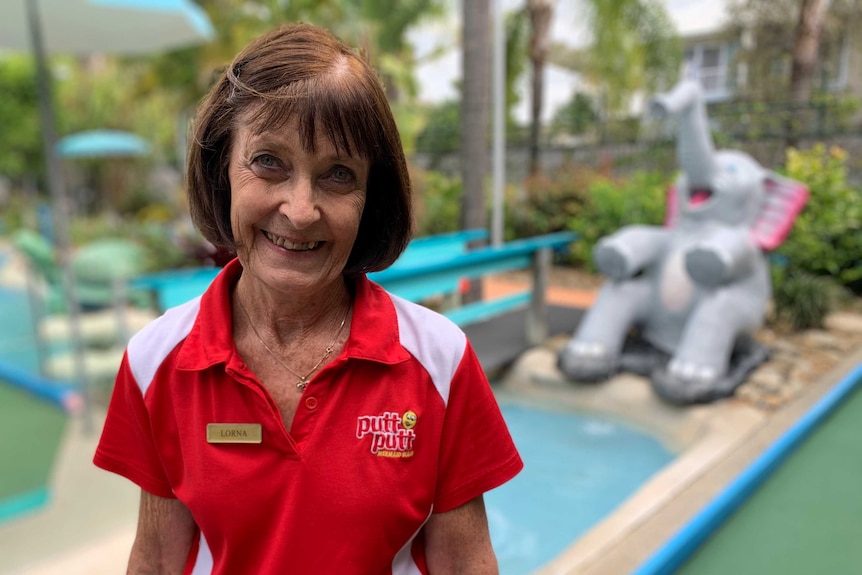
(820, 338)
(798, 359)
(845, 322)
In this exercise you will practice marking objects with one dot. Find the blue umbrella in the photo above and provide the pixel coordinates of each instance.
(102, 143)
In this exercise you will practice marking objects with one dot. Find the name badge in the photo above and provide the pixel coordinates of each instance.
(234, 433)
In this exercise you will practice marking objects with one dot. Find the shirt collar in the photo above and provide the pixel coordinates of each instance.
(373, 329)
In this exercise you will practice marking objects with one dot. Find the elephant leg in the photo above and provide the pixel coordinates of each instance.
(698, 370)
(593, 354)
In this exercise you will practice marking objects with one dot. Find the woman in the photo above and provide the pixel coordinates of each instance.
(297, 418)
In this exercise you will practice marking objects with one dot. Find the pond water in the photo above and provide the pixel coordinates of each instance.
(17, 333)
(577, 470)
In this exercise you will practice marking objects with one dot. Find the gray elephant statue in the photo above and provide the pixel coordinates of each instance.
(695, 290)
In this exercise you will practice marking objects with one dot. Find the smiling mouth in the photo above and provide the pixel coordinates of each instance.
(699, 196)
(289, 245)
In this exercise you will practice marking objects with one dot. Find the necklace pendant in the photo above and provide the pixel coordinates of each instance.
(302, 384)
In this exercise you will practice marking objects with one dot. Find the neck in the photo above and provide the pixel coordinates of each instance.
(285, 316)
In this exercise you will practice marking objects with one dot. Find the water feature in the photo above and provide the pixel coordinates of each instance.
(577, 470)
(17, 333)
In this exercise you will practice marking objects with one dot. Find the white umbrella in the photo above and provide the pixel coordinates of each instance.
(105, 26)
(87, 27)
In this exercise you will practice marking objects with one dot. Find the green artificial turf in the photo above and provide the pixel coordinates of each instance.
(31, 431)
(806, 519)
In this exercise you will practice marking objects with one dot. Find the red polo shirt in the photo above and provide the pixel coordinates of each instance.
(401, 424)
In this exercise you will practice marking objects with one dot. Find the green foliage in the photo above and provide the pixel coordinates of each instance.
(550, 201)
(634, 47)
(826, 239)
(750, 120)
(442, 131)
(20, 136)
(437, 202)
(517, 46)
(579, 199)
(575, 117)
(611, 204)
(166, 245)
(15, 212)
(802, 299)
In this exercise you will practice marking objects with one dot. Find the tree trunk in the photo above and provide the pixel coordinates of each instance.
(805, 49)
(541, 12)
(474, 111)
(475, 103)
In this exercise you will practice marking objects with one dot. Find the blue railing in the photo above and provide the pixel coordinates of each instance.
(430, 267)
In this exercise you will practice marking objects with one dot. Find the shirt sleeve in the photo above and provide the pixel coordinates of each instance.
(477, 452)
(126, 446)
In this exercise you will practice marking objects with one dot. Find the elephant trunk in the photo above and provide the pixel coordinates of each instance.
(694, 146)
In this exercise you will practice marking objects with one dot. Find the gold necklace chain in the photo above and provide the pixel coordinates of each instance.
(303, 379)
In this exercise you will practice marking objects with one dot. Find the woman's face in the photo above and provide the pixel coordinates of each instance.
(294, 215)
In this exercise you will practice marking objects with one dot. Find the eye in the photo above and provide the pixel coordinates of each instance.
(342, 174)
(266, 161)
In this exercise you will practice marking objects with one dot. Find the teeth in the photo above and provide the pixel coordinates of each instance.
(288, 245)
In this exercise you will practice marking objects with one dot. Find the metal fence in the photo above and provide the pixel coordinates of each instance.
(760, 129)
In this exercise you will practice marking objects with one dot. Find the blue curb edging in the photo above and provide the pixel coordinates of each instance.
(24, 503)
(64, 396)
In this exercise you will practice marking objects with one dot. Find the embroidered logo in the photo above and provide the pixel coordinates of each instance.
(391, 434)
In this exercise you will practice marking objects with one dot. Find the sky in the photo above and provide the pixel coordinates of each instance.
(436, 77)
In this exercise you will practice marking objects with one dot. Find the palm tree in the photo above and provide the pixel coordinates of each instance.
(474, 111)
(475, 102)
(540, 13)
(634, 47)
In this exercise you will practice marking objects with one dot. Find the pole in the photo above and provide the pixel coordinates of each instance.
(61, 208)
(499, 126)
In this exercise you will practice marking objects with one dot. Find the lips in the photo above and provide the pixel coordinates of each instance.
(291, 245)
(699, 196)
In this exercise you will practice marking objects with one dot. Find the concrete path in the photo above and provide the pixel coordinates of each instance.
(88, 525)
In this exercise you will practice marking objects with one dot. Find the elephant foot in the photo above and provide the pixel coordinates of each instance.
(684, 383)
(587, 362)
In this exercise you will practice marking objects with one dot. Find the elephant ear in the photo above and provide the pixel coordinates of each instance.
(784, 199)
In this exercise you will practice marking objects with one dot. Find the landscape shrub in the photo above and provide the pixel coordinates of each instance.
(826, 239)
(612, 204)
(436, 202)
(549, 200)
(580, 199)
(801, 299)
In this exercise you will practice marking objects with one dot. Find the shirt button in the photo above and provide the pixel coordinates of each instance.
(311, 403)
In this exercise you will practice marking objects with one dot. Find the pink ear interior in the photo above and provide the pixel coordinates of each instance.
(671, 210)
(784, 200)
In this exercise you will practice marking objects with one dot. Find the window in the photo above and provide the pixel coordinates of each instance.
(710, 64)
(834, 60)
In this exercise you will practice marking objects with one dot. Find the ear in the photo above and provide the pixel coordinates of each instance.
(783, 201)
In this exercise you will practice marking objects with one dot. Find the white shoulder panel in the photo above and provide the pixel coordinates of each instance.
(149, 347)
(434, 340)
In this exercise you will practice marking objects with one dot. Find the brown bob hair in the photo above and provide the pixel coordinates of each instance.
(302, 71)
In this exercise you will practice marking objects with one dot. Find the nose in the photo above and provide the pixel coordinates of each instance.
(299, 204)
